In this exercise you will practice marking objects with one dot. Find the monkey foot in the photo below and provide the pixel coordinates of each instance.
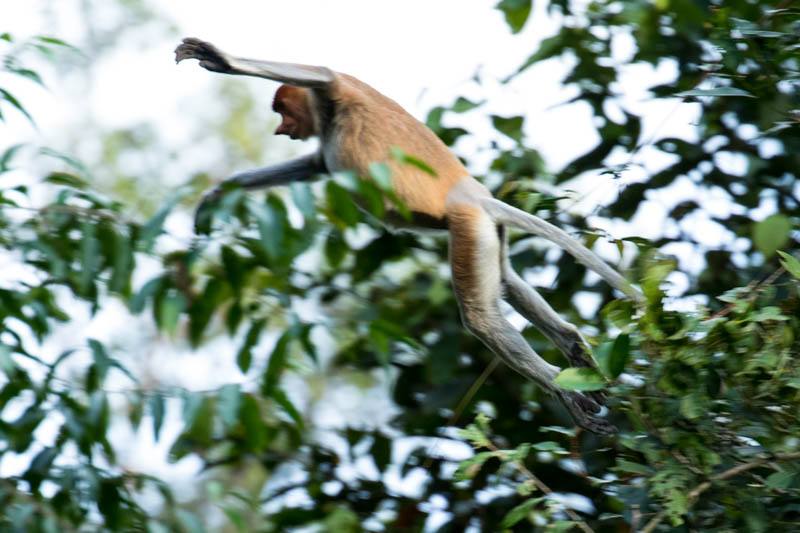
(583, 410)
(208, 54)
(578, 356)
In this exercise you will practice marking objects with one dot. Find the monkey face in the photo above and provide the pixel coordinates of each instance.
(293, 105)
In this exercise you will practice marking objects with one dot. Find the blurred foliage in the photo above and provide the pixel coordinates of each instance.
(707, 401)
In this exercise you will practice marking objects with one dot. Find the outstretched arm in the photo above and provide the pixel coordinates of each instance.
(215, 60)
(298, 169)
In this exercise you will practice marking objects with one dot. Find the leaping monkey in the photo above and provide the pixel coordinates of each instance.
(358, 126)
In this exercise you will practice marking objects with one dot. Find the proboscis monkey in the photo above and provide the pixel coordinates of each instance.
(357, 126)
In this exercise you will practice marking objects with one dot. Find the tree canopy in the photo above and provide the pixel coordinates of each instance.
(704, 383)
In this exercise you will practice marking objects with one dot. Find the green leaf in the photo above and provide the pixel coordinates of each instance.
(548, 446)
(303, 198)
(169, 309)
(381, 451)
(520, 511)
(254, 430)
(8, 155)
(341, 205)
(468, 468)
(8, 97)
(403, 157)
(244, 357)
(580, 379)
(462, 105)
(198, 416)
(382, 175)
(90, 259)
(719, 91)
(282, 399)
(550, 47)
(69, 160)
(27, 73)
(109, 503)
(516, 13)
(620, 352)
(157, 410)
(154, 226)
(229, 400)
(98, 414)
(190, 522)
(335, 248)
(791, 264)
(771, 234)
(270, 228)
(277, 361)
(780, 480)
(511, 126)
(40, 467)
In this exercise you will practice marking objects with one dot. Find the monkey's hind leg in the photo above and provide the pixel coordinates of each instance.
(564, 335)
(476, 258)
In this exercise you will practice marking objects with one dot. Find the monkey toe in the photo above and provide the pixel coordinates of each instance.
(579, 356)
(598, 426)
(598, 396)
(583, 408)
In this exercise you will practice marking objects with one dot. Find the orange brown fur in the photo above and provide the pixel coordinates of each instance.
(366, 126)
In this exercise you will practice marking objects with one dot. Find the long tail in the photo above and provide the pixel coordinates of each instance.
(502, 213)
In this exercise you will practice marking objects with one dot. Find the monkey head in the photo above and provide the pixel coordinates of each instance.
(295, 109)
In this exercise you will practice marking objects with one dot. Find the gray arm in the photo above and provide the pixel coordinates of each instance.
(216, 60)
(298, 169)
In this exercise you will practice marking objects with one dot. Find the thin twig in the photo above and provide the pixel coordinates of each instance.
(753, 287)
(704, 486)
(462, 404)
(546, 490)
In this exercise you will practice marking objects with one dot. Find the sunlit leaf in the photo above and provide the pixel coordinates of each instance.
(581, 379)
(791, 264)
(771, 234)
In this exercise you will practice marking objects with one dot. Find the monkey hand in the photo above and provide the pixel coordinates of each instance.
(583, 410)
(210, 57)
